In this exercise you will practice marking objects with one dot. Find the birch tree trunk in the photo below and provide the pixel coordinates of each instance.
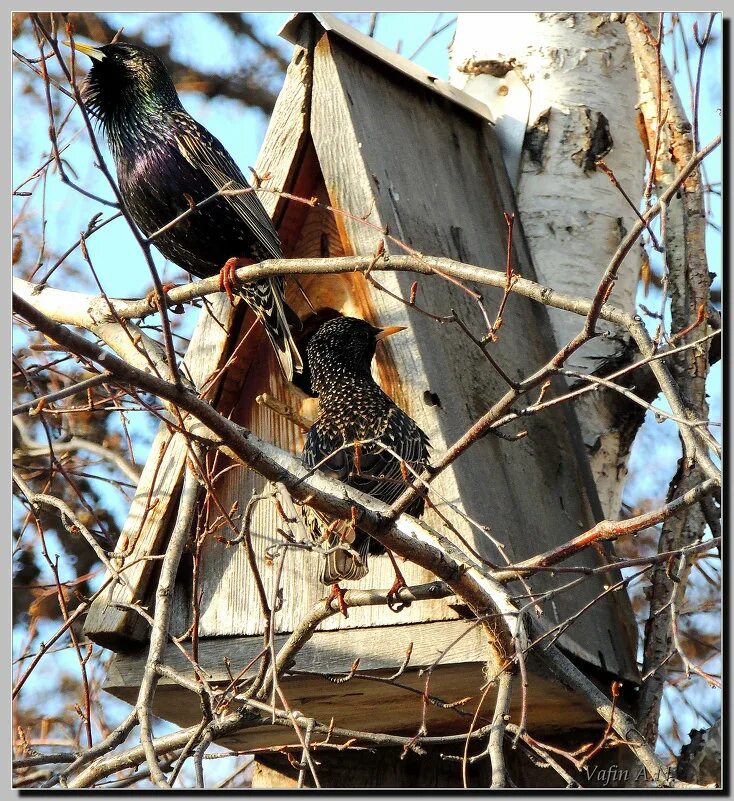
(563, 90)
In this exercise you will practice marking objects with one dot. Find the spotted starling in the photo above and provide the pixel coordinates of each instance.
(165, 162)
(356, 426)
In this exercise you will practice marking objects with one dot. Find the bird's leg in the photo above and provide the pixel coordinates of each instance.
(152, 296)
(227, 275)
(394, 604)
(357, 460)
(338, 593)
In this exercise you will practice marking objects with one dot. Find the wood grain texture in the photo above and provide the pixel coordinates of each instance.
(145, 530)
(292, 31)
(359, 703)
(422, 168)
(229, 603)
(586, 486)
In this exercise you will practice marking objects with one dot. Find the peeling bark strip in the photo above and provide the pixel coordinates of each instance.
(598, 140)
(536, 137)
(488, 66)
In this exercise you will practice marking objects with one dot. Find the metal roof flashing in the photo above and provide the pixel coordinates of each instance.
(333, 24)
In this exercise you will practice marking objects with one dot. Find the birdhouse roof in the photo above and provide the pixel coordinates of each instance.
(385, 57)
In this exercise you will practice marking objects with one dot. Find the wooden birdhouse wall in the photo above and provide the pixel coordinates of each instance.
(229, 595)
(387, 150)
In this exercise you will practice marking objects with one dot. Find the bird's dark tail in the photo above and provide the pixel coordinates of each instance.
(344, 565)
(279, 331)
(277, 318)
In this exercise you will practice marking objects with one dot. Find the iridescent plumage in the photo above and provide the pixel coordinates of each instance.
(165, 160)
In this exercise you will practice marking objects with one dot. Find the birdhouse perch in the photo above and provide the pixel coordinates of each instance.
(369, 134)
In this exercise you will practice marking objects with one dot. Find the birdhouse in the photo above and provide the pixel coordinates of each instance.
(373, 143)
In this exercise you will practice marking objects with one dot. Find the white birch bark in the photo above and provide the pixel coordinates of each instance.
(563, 90)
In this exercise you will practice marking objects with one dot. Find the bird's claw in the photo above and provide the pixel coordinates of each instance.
(228, 275)
(152, 296)
(394, 604)
(338, 593)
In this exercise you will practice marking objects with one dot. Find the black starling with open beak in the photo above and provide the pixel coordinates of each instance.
(165, 162)
(360, 437)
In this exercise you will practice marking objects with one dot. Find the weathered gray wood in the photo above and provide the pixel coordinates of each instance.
(144, 533)
(384, 146)
(229, 598)
(229, 604)
(587, 487)
(292, 31)
(360, 704)
(424, 171)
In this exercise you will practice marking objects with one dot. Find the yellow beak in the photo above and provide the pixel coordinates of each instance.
(389, 330)
(88, 50)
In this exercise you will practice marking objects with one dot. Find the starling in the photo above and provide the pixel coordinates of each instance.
(165, 162)
(356, 425)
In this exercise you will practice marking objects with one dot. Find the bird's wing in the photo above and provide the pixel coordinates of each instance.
(322, 449)
(206, 153)
(379, 472)
(375, 470)
(406, 438)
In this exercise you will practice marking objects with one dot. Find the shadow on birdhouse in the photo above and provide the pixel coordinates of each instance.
(362, 131)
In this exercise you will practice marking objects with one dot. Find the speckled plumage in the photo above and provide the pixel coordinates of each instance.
(353, 408)
(164, 157)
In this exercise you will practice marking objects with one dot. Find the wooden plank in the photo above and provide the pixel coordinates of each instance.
(145, 532)
(354, 704)
(528, 494)
(625, 616)
(360, 176)
(428, 176)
